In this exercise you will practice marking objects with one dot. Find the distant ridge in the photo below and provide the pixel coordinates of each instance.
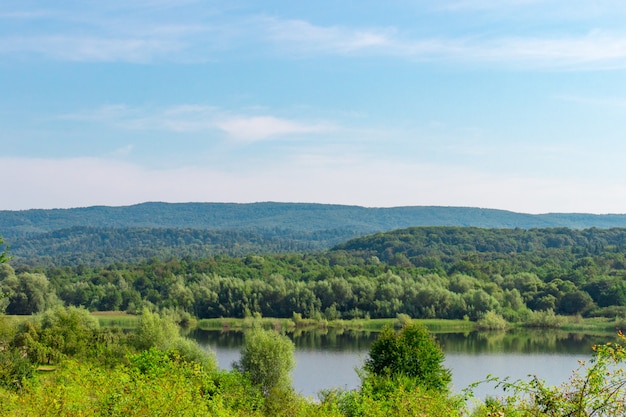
(102, 234)
(293, 216)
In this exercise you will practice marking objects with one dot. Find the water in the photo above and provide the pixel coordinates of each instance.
(326, 360)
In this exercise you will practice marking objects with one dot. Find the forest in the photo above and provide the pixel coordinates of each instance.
(424, 272)
(103, 235)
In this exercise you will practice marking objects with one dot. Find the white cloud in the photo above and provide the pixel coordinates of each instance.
(263, 127)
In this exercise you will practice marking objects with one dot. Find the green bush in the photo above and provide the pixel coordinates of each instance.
(15, 368)
(544, 319)
(412, 352)
(492, 321)
(398, 398)
(267, 358)
(154, 331)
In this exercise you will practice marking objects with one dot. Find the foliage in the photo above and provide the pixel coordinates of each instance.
(15, 368)
(4, 257)
(412, 352)
(544, 319)
(400, 399)
(27, 293)
(104, 235)
(154, 331)
(68, 332)
(595, 389)
(492, 321)
(426, 272)
(267, 357)
(79, 389)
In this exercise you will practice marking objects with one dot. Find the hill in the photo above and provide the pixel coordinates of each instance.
(102, 234)
(293, 216)
(419, 246)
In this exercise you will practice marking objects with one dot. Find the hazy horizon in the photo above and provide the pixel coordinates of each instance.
(305, 202)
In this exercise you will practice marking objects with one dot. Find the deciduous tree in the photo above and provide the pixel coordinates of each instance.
(268, 358)
(413, 353)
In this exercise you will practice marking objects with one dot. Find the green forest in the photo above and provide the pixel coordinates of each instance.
(424, 272)
(103, 235)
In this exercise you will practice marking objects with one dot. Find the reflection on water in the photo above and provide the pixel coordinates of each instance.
(521, 341)
(328, 359)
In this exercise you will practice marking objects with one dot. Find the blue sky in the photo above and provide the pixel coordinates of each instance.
(509, 104)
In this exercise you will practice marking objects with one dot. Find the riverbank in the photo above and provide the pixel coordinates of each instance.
(573, 324)
(374, 325)
(593, 325)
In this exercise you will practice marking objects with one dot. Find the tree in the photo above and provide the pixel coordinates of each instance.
(161, 332)
(267, 357)
(412, 353)
(28, 293)
(58, 333)
(577, 302)
(3, 255)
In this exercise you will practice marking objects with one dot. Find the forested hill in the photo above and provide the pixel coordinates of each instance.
(292, 216)
(419, 246)
(101, 235)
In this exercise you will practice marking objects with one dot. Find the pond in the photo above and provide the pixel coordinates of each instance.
(329, 359)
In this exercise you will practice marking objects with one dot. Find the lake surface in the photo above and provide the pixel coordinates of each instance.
(329, 359)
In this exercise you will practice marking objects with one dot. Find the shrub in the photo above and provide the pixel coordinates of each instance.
(267, 358)
(492, 321)
(544, 319)
(412, 352)
(15, 368)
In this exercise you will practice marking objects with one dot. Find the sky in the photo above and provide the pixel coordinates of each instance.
(510, 104)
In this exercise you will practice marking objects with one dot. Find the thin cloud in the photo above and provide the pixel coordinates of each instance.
(557, 11)
(595, 50)
(329, 39)
(111, 35)
(122, 152)
(264, 127)
(91, 49)
(25, 15)
(198, 119)
(463, 5)
(595, 101)
(104, 113)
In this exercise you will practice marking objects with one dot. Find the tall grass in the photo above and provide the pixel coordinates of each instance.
(116, 319)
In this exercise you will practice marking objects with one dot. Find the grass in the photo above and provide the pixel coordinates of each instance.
(574, 324)
(434, 325)
(116, 319)
(595, 324)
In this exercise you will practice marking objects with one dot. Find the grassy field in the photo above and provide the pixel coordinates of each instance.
(116, 319)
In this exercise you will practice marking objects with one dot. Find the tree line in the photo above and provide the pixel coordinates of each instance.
(430, 272)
